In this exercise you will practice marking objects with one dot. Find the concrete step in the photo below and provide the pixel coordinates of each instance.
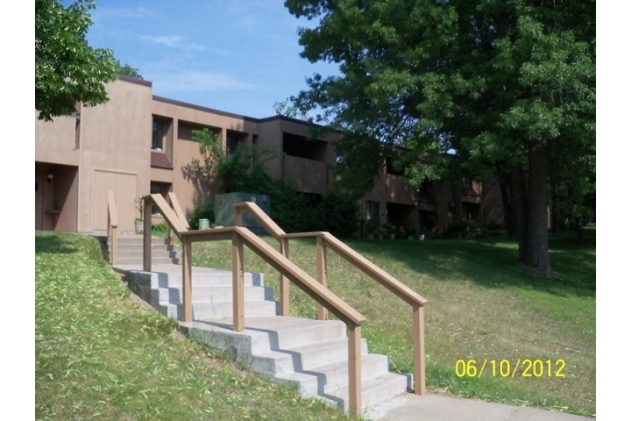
(375, 390)
(130, 250)
(213, 294)
(318, 367)
(161, 258)
(310, 355)
(213, 311)
(201, 277)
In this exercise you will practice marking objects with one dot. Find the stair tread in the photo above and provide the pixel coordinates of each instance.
(312, 354)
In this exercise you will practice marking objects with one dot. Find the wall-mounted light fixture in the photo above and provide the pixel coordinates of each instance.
(50, 176)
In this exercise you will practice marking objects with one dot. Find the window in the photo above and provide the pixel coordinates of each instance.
(372, 211)
(234, 139)
(157, 136)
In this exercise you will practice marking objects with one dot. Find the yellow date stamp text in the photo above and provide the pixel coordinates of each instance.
(505, 368)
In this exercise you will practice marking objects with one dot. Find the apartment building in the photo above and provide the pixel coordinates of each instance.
(139, 143)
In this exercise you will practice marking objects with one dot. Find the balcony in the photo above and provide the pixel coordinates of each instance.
(307, 175)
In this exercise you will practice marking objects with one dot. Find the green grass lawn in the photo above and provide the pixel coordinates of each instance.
(100, 356)
(482, 306)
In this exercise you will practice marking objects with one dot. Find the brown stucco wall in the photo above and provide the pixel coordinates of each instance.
(108, 147)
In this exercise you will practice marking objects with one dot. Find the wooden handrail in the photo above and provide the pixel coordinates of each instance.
(289, 271)
(177, 224)
(112, 226)
(242, 236)
(276, 232)
(178, 209)
(262, 218)
(402, 291)
(322, 295)
(384, 278)
(324, 240)
(180, 214)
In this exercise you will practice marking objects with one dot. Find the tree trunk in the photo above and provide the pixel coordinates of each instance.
(556, 203)
(518, 205)
(579, 231)
(537, 209)
(507, 207)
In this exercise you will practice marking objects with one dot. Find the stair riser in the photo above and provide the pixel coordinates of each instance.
(384, 392)
(130, 251)
(326, 354)
(213, 294)
(330, 379)
(211, 313)
(331, 382)
(140, 242)
(335, 380)
(220, 279)
(287, 339)
(312, 356)
(160, 260)
(224, 310)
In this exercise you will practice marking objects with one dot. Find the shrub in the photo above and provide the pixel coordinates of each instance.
(244, 171)
(160, 228)
(203, 211)
(338, 214)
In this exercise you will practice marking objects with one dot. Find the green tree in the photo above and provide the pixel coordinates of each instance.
(127, 70)
(495, 87)
(67, 70)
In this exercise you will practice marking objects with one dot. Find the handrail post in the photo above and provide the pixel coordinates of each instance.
(418, 325)
(146, 236)
(112, 227)
(323, 313)
(187, 288)
(112, 237)
(354, 370)
(238, 217)
(284, 282)
(238, 310)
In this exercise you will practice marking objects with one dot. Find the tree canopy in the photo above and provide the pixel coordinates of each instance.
(127, 70)
(67, 70)
(502, 88)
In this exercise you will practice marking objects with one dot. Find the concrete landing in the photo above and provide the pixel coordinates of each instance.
(438, 407)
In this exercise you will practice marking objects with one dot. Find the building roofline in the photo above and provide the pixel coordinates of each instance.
(134, 80)
(201, 108)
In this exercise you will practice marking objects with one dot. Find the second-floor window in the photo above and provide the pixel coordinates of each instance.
(158, 135)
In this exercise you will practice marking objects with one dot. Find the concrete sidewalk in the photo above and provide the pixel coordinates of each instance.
(437, 407)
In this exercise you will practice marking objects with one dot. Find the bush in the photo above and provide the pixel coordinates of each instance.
(204, 211)
(244, 171)
(160, 228)
(338, 214)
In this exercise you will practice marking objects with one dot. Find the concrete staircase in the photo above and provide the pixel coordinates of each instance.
(310, 355)
(130, 250)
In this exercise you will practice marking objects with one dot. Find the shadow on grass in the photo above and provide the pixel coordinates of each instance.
(492, 262)
(54, 243)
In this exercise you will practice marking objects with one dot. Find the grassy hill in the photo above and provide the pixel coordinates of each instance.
(98, 355)
(483, 306)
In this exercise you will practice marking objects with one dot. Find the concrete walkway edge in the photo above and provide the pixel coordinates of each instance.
(438, 407)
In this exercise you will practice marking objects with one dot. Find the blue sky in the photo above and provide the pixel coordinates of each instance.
(239, 56)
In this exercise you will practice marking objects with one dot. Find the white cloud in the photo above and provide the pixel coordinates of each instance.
(168, 40)
(196, 81)
(178, 41)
